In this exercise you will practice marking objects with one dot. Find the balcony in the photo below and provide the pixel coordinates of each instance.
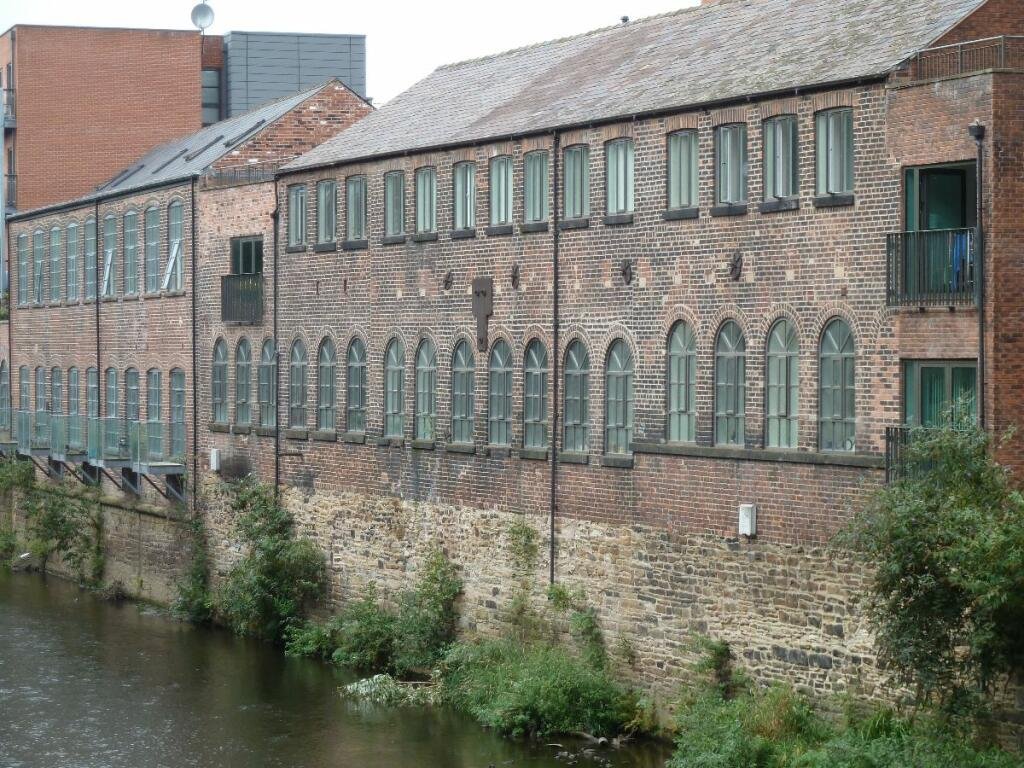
(991, 53)
(11, 191)
(150, 454)
(241, 299)
(896, 440)
(107, 442)
(931, 268)
(8, 108)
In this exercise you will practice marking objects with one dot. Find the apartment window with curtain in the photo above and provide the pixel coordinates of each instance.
(22, 297)
(108, 288)
(394, 204)
(577, 395)
(782, 386)
(837, 388)
(326, 211)
(131, 395)
(355, 381)
(266, 392)
(618, 179)
(394, 389)
(781, 158)
(174, 274)
(298, 366)
(55, 270)
(464, 196)
(326, 372)
(426, 390)
(576, 184)
(463, 393)
(535, 393)
(500, 183)
(243, 383)
(730, 385)
(72, 262)
(152, 245)
(38, 260)
(731, 164)
(535, 187)
(177, 413)
(618, 399)
(499, 395)
(131, 253)
(834, 151)
(219, 383)
(682, 384)
(939, 392)
(681, 167)
(355, 208)
(296, 215)
(426, 200)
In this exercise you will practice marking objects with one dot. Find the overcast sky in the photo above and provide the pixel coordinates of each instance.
(404, 40)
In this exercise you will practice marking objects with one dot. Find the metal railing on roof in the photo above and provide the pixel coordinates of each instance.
(9, 104)
(931, 268)
(1004, 52)
(240, 174)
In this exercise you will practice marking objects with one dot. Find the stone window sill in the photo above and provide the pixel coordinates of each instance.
(574, 224)
(216, 426)
(499, 451)
(295, 249)
(354, 438)
(241, 429)
(424, 237)
(295, 433)
(354, 245)
(325, 247)
(730, 209)
(779, 204)
(867, 461)
(463, 234)
(324, 435)
(131, 297)
(499, 230)
(573, 457)
(618, 461)
(533, 226)
(534, 454)
(108, 299)
(469, 448)
(424, 445)
(393, 239)
(265, 431)
(390, 442)
(834, 200)
(680, 214)
(618, 219)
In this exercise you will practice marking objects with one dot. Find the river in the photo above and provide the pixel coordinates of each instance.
(89, 684)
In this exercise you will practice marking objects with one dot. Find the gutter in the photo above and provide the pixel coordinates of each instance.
(101, 394)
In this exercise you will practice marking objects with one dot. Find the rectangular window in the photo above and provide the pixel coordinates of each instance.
(834, 139)
(211, 96)
(326, 211)
(535, 187)
(152, 250)
(174, 274)
(296, 215)
(355, 208)
(682, 169)
(72, 280)
(247, 256)
(177, 413)
(55, 270)
(426, 200)
(90, 260)
(394, 204)
(464, 196)
(109, 248)
(38, 255)
(22, 269)
(936, 392)
(131, 253)
(731, 163)
(577, 182)
(619, 176)
(500, 181)
(781, 173)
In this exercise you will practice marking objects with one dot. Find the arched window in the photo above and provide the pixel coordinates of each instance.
(131, 253)
(837, 415)
(24, 390)
(327, 361)
(243, 382)
(75, 429)
(782, 386)
(682, 384)
(5, 396)
(112, 397)
(355, 407)
(426, 390)
(55, 266)
(131, 395)
(152, 245)
(22, 297)
(577, 392)
(108, 284)
(174, 274)
(111, 424)
(267, 391)
(154, 426)
(535, 394)
(90, 259)
(38, 259)
(394, 389)
(499, 395)
(41, 404)
(730, 385)
(618, 399)
(177, 413)
(463, 383)
(298, 362)
(92, 393)
(72, 263)
(219, 383)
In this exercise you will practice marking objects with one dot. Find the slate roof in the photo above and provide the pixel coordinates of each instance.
(695, 56)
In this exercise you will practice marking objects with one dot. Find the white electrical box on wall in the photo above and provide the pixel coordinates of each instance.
(748, 520)
(215, 459)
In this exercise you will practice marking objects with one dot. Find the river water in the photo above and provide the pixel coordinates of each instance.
(89, 684)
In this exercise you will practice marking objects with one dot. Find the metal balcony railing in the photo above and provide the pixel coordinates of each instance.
(1004, 52)
(41, 431)
(23, 431)
(77, 433)
(9, 103)
(241, 299)
(107, 439)
(896, 439)
(11, 192)
(147, 441)
(931, 268)
(177, 447)
(58, 434)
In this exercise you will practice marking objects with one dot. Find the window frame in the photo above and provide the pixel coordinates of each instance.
(425, 180)
(174, 272)
(394, 390)
(295, 235)
(770, 144)
(243, 382)
(23, 262)
(687, 388)
(39, 253)
(732, 421)
(394, 216)
(326, 386)
(463, 393)
(219, 383)
(689, 159)
(130, 252)
(582, 176)
(425, 425)
(71, 283)
(576, 425)
(535, 405)
(500, 386)
(536, 212)
(847, 391)
(825, 165)
(108, 280)
(464, 195)
(619, 399)
(355, 386)
(728, 134)
(326, 211)
(500, 189)
(151, 246)
(55, 270)
(298, 384)
(266, 385)
(355, 214)
(619, 154)
(910, 371)
(782, 396)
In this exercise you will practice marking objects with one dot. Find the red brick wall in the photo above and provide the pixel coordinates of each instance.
(996, 17)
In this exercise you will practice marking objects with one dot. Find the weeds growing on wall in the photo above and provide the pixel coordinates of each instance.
(194, 601)
(8, 545)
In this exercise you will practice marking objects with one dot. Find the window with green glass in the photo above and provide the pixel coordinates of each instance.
(355, 208)
(781, 153)
(266, 390)
(463, 383)
(112, 394)
(576, 189)
(326, 373)
(618, 399)
(500, 182)
(298, 376)
(219, 383)
(109, 280)
(426, 200)
(782, 386)
(152, 246)
(92, 392)
(131, 253)
(5, 396)
(355, 380)
(394, 390)
(38, 260)
(22, 269)
(730, 385)
(174, 273)
(682, 384)
(90, 259)
(836, 401)
(834, 151)
(243, 383)
(426, 390)
(394, 204)
(72, 262)
(619, 176)
(177, 419)
(57, 390)
(55, 270)
(464, 195)
(326, 211)
(535, 187)
(682, 168)
(731, 164)
(938, 392)
(296, 215)
(131, 395)
(246, 255)
(499, 395)
(577, 391)
(535, 390)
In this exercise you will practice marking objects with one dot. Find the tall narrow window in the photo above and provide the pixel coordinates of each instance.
(463, 386)
(781, 172)
(500, 182)
(731, 164)
(834, 138)
(296, 215)
(577, 395)
(682, 384)
(112, 397)
(355, 380)
(24, 390)
(131, 395)
(535, 187)
(22, 269)
(76, 431)
(5, 396)
(243, 383)
(154, 432)
(394, 389)
(219, 383)
(108, 288)
(174, 274)
(355, 208)
(499, 395)
(210, 84)
(131, 253)
(42, 406)
(730, 385)
(464, 195)
(92, 393)
(618, 155)
(782, 386)
(267, 393)
(298, 364)
(327, 363)
(177, 413)
(837, 417)
(55, 270)
(618, 399)
(90, 259)
(682, 169)
(38, 262)
(535, 394)
(394, 204)
(72, 276)
(326, 211)
(426, 390)
(426, 200)
(152, 250)
(576, 203)
(56, 390)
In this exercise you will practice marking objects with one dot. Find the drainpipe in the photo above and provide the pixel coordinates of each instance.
(195, 366)
(555, 143)
(101, 391)
(977, 131)
(275, 218)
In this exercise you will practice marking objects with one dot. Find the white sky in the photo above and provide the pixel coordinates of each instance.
(404, 41)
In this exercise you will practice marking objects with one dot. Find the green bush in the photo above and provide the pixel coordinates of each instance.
(364, 637)
(194, 602)
(309, 638)
(427, 616)
(8, 545)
